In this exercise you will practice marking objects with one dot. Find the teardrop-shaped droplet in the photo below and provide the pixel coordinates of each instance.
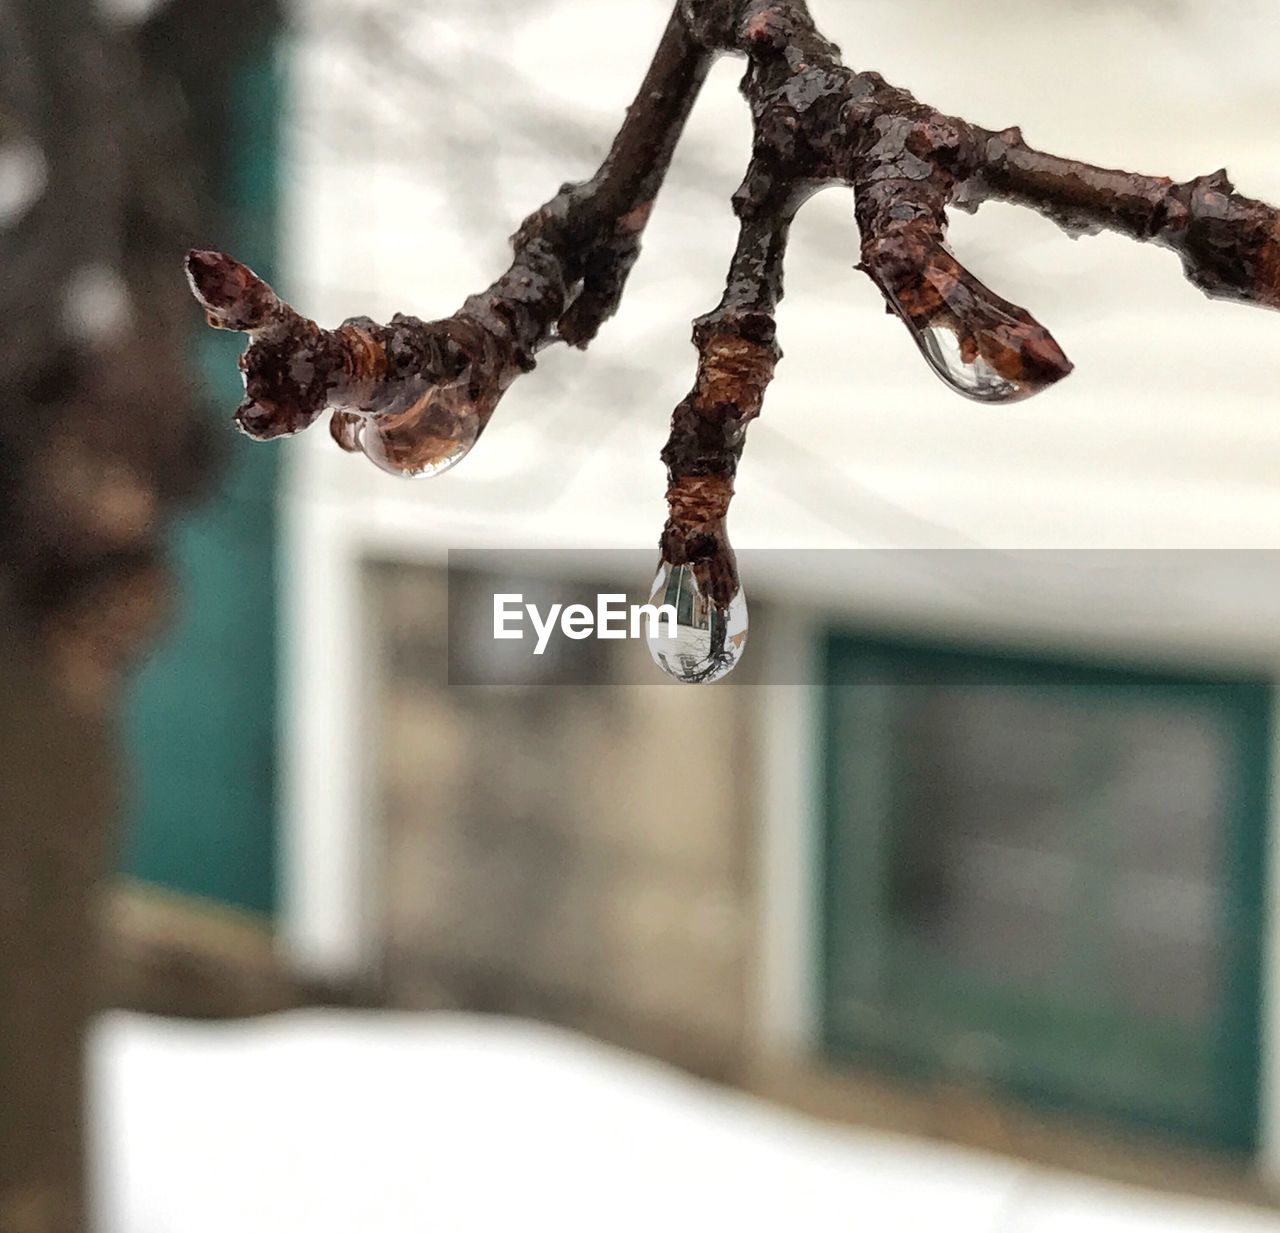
(345, 428)
(425, 439)
(981, 345)
(709, 640)
(964, 368)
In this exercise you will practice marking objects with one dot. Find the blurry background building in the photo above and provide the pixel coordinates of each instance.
(980, 847)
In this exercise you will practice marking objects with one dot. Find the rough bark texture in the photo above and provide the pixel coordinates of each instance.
(101, 442)
(414, 396)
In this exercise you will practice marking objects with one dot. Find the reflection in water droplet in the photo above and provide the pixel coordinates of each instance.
(426, 439)
(981, 345)
(708, 641)
(974, 378)
(433, 459)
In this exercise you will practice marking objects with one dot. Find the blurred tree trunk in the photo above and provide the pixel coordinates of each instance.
(112, 141)
(56, 802)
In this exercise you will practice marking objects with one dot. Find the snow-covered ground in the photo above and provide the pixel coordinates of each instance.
(341, 1122)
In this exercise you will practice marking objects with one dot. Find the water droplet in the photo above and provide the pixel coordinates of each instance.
(345, 429)
(709, 640)
(981, 345)
(425, 439)
(974, 378)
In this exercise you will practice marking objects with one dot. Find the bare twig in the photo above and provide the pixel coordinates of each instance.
(426, 390)
(415, 396)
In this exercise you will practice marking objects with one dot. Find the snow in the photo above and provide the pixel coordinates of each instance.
(354, 1122)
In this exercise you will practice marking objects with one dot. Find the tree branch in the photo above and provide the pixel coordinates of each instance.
(737, 353)
(1229, 244)
(415, 396)
(421, 393)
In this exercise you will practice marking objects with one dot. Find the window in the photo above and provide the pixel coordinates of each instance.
(1046, 878)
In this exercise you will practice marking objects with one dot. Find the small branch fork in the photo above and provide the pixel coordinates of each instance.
(414, 395)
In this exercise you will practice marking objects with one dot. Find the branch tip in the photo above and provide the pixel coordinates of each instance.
(232, 295)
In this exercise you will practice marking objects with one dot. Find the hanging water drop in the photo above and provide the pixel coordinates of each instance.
(427, 438)
(709, 639)
(981, 345)
(964, 368)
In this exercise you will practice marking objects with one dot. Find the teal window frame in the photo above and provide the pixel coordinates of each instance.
(856, 918)
(201, 724)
